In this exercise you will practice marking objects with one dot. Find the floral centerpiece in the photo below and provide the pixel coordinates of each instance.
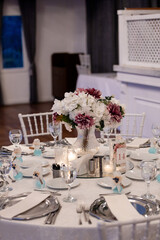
(86, 109)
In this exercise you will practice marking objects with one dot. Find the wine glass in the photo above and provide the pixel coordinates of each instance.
(148, 172)
(15, 136)
(54, 129)
(156, 132)
(5, 167)
(68, 174)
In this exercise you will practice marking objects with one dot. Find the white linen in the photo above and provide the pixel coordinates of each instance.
(65, 227)
(24, 148)
(29, 202)
(137, 142)
(121, 208)
(81, 164)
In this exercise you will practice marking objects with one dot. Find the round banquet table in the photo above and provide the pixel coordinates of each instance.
(66, 225)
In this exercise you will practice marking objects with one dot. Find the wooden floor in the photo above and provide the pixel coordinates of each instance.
(9, 119)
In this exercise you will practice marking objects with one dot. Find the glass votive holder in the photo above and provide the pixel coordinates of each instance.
(72, 155)
(61, 155)
(108, 167)
(39, 182)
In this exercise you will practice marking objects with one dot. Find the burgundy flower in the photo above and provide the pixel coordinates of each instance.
(84, 121)
(78, 90)
(95, 93)
(56, 117)
(115, 112)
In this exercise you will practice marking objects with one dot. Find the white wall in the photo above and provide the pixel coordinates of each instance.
(61, 27)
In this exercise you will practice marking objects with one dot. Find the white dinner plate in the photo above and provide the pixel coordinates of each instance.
(140, 156)
(134, 174)
(107, 182)
(58, 183)
(49, 154)
(29, 172)
(157, 163)
(31, 163)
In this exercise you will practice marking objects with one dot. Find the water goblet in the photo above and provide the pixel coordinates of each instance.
(156, 133)
(5, 167)
(68, 174)
(156, 130)
(148, 172)
(15, 136)
(54, 129)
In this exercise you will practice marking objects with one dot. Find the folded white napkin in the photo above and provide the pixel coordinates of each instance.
(103, 150)
(137, 142)
(71, 140)
(24, 148)
(121, 208)
(81, 164)
(29, 202)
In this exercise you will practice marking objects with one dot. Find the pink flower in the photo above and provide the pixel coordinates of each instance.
(56, 117)
(95, 93)
(78, 90)
(84, 121)
(91, 91)
(115, 112)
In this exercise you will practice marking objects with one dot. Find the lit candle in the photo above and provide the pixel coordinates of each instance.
(71, 155)
(108, 168)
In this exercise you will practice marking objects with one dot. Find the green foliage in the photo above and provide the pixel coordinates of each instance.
(65, 118)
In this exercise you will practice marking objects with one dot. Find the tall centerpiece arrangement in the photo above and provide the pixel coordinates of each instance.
(86, 110)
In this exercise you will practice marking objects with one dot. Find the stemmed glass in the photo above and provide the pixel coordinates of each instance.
(148, 172)
(5, 167)
(54, 129)
(15, 136)
(156, 131)
(68, 174)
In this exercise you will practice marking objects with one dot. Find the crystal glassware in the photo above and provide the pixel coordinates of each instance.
(15, 136)
(156, 130)
(5, 167)
(68, 174)
(54, 129)
(148, 172)
(156, 134)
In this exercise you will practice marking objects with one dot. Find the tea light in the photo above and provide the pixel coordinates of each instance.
(71, 155)
(108, 167)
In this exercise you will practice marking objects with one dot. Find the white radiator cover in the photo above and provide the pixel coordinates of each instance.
(139, 38)
(139, 63)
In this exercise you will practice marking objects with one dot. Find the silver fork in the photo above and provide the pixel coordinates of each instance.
(79, 212)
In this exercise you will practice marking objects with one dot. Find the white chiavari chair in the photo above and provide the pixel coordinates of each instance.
(144, 229)
(36, 124)
(131, 126)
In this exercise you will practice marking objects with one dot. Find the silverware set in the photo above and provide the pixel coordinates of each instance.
(82, 208)
(51, 217)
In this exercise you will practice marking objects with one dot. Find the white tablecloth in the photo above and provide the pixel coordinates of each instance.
(66, 226)
(106, 83)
